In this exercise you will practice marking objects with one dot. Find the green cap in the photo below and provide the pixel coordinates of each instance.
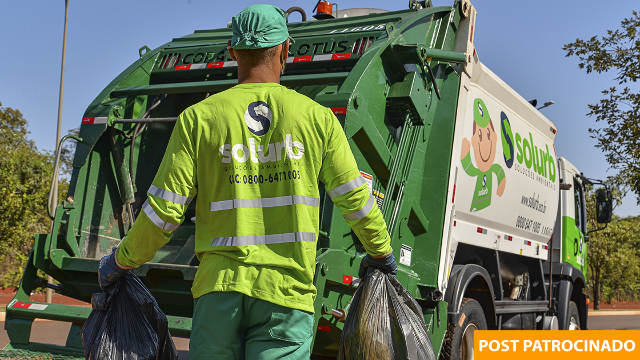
(259, 26)
(480, 113)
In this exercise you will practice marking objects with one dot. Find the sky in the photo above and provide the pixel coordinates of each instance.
(520, 41)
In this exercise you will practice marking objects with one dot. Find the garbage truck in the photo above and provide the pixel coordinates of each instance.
(488, 224)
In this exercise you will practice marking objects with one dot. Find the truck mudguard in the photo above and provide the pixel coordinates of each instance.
(565, 270)
(460, 279)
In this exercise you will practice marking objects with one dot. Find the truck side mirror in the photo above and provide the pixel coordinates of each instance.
(604, 206)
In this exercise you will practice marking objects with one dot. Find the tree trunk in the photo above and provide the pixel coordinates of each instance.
(596, 291)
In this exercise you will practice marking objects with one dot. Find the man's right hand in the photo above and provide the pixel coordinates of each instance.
(386, 264)
(109, 271)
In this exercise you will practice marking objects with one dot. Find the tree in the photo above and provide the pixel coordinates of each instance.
(613, 259)
(619, 111)
(25, 176)
(610, 258)
(623, 275)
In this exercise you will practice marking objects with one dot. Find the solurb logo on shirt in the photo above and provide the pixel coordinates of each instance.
(258, 118)
(265, 153)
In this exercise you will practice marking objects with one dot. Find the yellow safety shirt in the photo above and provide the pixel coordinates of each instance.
(253, 155)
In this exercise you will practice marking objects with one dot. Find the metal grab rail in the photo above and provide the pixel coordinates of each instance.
(220, 85)
(146, 120)
(55, 170)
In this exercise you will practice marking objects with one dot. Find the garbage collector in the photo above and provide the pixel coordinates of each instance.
(253, 155)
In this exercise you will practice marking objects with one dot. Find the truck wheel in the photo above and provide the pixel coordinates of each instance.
(573, 317)
(458, 343)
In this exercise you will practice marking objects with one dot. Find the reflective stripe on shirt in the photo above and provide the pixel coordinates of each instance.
(345, 188)
(362, 212)
(263, 239)
(169, 196)
(264, 202)
(146, 207)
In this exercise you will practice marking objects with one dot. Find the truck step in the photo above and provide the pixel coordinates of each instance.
(513, 307)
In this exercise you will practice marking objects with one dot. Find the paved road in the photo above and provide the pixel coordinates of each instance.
(55, 332)
(617, 322)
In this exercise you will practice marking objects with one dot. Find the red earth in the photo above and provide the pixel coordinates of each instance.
(622, 305)
(7, 294)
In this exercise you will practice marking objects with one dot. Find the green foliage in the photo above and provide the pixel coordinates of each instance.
(619, 111)
(24, 173)
(25, 178)
(614, 253)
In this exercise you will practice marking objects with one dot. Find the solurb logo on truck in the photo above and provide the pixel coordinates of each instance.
(543, 163)
(507, 140)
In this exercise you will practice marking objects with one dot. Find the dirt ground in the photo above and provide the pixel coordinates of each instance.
(6, 295)
(623, 305)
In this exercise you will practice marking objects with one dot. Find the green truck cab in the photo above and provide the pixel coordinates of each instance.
(569, 257)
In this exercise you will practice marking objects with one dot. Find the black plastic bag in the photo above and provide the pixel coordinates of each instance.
(384, 322)
(126, 324)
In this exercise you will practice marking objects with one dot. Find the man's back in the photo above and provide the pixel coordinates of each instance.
(259, 151)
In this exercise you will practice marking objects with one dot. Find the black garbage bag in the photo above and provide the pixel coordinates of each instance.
(384, 322)
(127, 324)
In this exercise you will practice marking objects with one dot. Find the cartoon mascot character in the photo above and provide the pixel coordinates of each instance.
(484, 142)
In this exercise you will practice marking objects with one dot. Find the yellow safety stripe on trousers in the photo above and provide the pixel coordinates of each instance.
(263, 239)
(264, 202)
(362, 212)
(346, 187)
(146, 207)
(169, 196)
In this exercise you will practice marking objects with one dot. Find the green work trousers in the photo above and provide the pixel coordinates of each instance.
(234, 326)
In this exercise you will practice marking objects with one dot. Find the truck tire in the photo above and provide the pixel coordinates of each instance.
(573, 317)
(458, 342)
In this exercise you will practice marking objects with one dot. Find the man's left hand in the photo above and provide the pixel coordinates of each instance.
(109, 271)
(386, 264)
